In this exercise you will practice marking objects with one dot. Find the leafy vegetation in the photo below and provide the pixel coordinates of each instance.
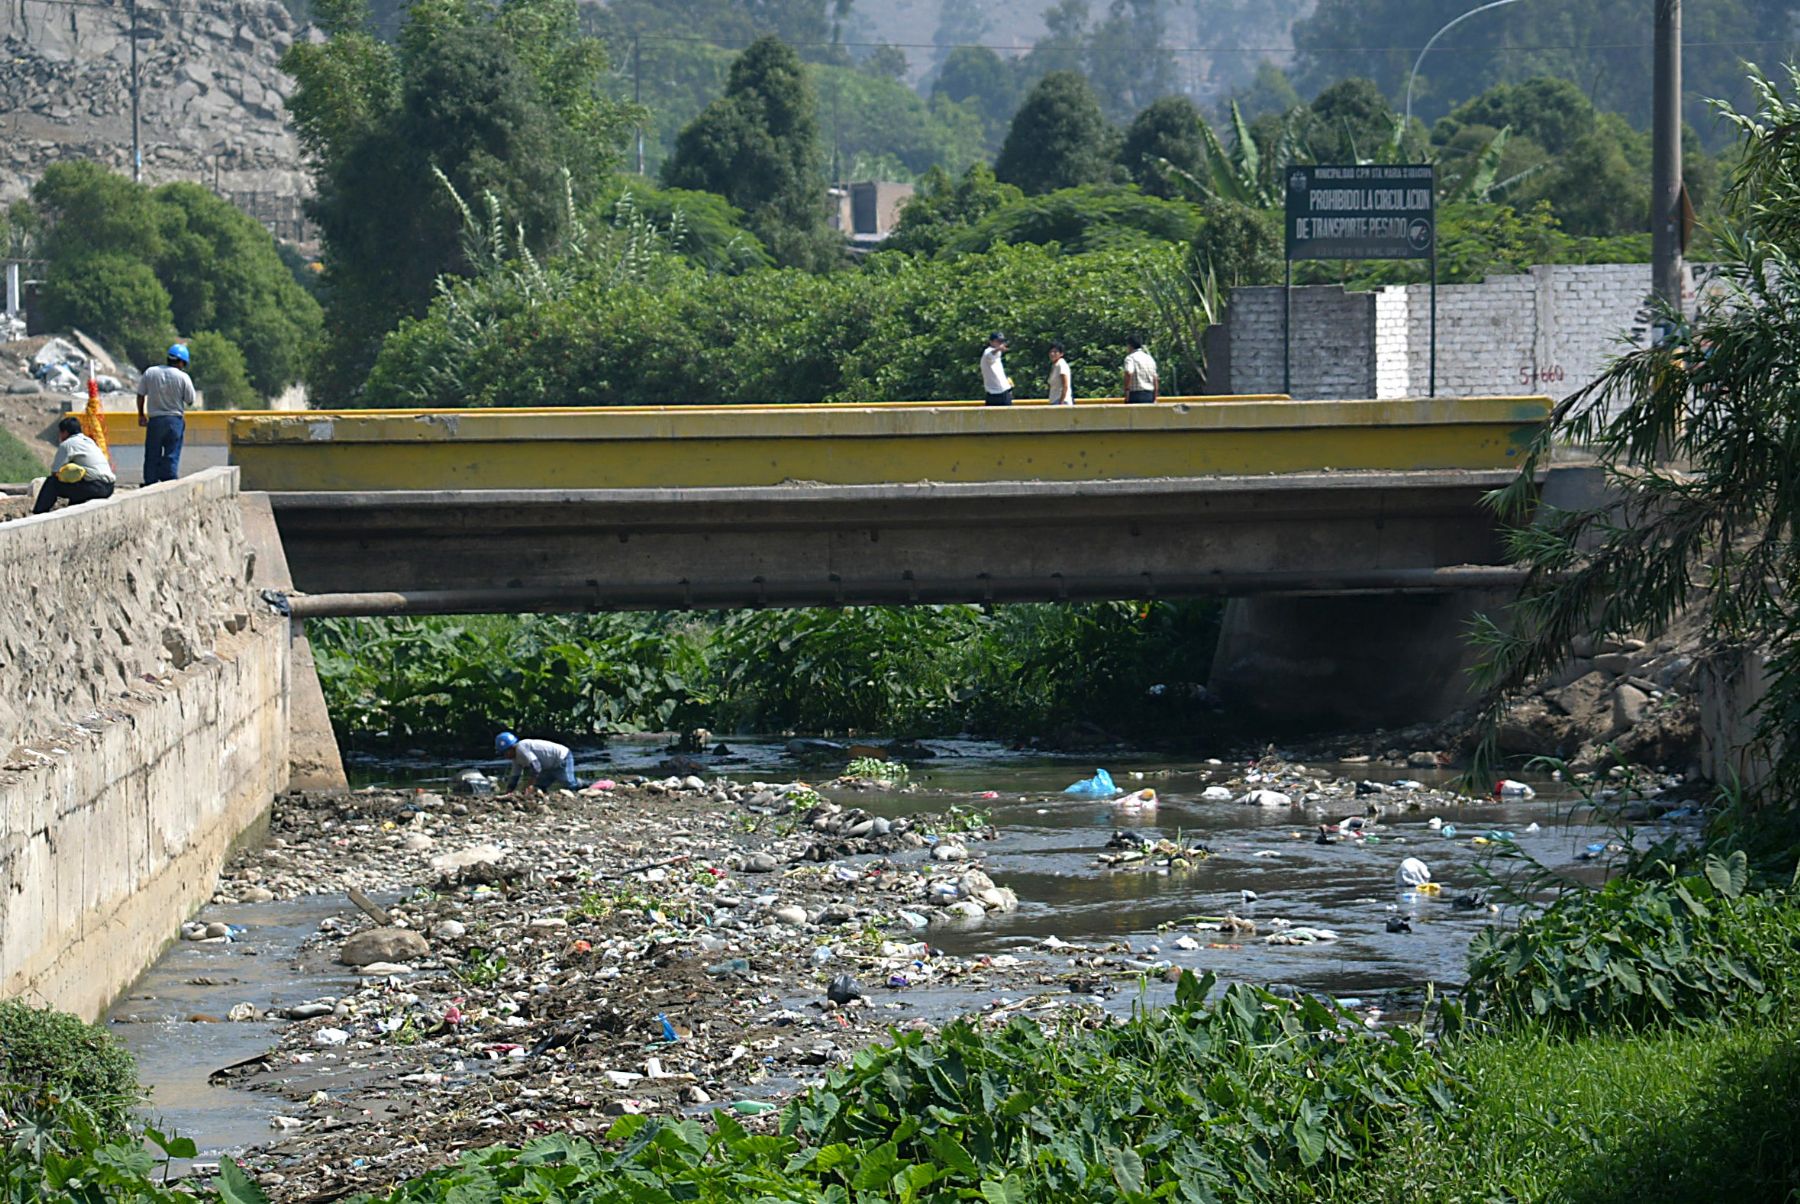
(1642, 953)
(457, 681)
(1017, 670)
(877, 770)
(46, 1054)
(595, 328)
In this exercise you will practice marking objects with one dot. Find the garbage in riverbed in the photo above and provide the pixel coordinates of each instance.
(1101, 784)
(1138, 800)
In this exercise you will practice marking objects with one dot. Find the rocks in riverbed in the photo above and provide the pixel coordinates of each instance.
(383, 945)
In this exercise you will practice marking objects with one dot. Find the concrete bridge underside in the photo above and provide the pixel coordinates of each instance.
(802, 545)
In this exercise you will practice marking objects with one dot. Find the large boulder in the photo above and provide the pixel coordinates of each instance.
(383, 945)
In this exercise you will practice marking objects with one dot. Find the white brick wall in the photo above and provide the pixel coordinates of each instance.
(1551, 330)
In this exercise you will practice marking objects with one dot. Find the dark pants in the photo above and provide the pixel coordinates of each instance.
(81, 491)
(1140, 397)
(163, 435)
(1000, 399)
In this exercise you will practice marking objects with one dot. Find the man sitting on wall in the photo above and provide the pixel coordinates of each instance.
(79, 473)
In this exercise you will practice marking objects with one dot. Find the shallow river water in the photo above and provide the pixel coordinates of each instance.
(1045, 852)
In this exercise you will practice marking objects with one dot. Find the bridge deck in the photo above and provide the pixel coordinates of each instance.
(744, 446)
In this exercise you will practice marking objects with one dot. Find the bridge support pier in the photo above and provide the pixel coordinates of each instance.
(314, 762)
(1357, 662)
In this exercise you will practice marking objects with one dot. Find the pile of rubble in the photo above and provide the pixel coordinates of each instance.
(60, 364)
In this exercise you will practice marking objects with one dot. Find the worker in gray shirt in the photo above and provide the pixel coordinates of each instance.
(163, 397)
(80, 472)
(545, 763)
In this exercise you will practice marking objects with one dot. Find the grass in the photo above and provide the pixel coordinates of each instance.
(17, 461)
(1698, 1114)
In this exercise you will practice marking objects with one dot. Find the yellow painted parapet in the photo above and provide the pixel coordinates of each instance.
(693, 446)
(204, 427)
(209, 427)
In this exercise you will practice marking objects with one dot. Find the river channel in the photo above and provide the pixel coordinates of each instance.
(173, 1019)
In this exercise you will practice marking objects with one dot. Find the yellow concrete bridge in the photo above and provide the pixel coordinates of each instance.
(1359, 521)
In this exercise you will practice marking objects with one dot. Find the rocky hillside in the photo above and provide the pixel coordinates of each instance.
(211, 94)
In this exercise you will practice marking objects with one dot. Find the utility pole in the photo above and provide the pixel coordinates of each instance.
(1665, 159)
(637, 92)
(137, 147)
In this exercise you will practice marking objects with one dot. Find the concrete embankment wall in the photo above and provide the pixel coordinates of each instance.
(143, 707)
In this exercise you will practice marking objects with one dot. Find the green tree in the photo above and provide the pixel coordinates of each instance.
(1602, 44)
(86, 209)
(1270, 91)
(1696, 435)
(1553, 113)
(1094, 217)
(702, 226)
(505, 100)
(116, 298)
(134, 265)
(877, 127)
(220, 374)
(942, 206)
(976, 76)
(886, 62)
(1058, 139)
(225, 274)
(1167, 130)
(758, 147)
(1125, 60)
(809, 25)
(1350, 122)
(1236, 245)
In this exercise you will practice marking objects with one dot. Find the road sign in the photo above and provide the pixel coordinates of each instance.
(1361, 211)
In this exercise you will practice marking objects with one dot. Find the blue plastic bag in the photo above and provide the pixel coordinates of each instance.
(1100, 783)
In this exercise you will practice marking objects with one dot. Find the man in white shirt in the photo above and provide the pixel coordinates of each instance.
(80, 473)
(164, 394)
(548, 763)
(1062, 391)
(1140, 373)
(994, 379)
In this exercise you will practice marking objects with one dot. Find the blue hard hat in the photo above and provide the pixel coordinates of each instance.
(504, 741)
(179, 351)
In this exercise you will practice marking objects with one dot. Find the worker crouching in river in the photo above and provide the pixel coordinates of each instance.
(549, 764)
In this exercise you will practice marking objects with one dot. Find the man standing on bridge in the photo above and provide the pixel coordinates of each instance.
(163, 397)
(1140, 373)
(994, 379)
(549, 763)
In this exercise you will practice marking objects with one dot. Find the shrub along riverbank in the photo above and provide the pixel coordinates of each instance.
(1132, 668)
(1635, 1043)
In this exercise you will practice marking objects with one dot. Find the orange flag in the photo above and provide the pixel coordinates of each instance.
(92, 425)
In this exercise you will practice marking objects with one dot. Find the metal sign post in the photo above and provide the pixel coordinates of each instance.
(1359, 211)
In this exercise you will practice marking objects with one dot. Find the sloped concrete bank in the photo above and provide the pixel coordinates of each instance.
(143, 698)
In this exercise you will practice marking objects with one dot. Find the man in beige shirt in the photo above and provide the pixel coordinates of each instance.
(1062, 390)
(1140, 373)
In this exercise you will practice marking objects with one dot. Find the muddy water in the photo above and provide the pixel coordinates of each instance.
(1045, 852)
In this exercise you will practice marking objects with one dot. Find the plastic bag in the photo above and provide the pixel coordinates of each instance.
(1100, 783)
